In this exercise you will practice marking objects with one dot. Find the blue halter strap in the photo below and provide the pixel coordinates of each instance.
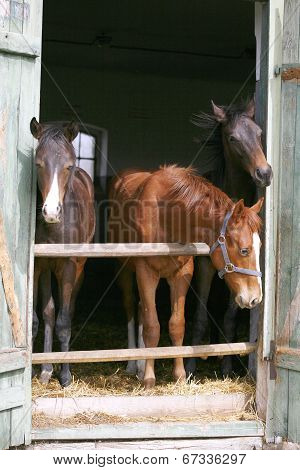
(229, 267)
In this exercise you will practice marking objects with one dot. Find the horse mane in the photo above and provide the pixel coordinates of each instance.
(211, 139)
(192, 189)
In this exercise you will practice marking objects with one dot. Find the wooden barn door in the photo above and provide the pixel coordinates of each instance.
(284, 404)
(20, 48)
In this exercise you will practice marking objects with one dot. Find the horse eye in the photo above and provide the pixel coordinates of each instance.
(244, 251)
(70, 167)
(232, 139)
(38, 164)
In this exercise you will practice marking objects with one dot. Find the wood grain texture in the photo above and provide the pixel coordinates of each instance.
(150, 406)
(9, 289)
(146, 430)
(115, 355)
(112, 250)
(193, 445)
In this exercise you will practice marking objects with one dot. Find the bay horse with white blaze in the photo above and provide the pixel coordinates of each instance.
(235, 162)
(65, 214)
(173, 204)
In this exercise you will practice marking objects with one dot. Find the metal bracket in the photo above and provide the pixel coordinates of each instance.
(271, 360)
(287, 71)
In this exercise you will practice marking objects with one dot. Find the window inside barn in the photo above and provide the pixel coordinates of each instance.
(85, 149)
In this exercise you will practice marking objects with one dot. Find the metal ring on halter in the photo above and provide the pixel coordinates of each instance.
(229, 267)
(222, 239)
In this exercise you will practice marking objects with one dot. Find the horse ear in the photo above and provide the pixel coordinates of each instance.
(71, 130)
(250, 110)
(218, 112)
(238, 209)
(258, 205)
(36, 128)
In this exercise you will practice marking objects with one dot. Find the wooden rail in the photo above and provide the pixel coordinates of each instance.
(114, 250)
(115, 355)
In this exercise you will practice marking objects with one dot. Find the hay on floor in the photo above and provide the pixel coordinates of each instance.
(121, 384)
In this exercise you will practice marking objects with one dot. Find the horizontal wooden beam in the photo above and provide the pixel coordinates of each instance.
(146, 430)
(19, 44)
(116, 250)
(116, 355)
(13, 359)
(188, 445)
(288, 351)
(177, 406)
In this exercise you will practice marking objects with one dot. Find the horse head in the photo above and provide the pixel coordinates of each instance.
(55, 160)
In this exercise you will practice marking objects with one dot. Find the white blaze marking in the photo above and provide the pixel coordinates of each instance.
(256, 248)
(52, 200)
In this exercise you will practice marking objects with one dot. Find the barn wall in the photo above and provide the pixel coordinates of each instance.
(147, 116)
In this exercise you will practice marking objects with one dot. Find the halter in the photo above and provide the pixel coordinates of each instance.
(229, 267)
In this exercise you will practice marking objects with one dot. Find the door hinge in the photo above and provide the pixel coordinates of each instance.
(271, 360)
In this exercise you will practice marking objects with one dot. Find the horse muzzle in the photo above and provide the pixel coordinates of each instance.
(263, 176)
(248, 301)
(52, 215)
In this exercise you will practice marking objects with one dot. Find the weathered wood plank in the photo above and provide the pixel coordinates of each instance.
(150, 406)
(116, 355)
(166, 430)
(294, 376)
(12, 397)
(288, 361)
(13, 359)
(103, 250)
(291, 31)
(9, 289)
(234, 443)
(18, 44)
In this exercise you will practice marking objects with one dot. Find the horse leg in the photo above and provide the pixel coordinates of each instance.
(229, 329)
(141, 363)
(147, 280)
(126, 281)
(35, 320)
(66, 278)
(204, 276)
(48, 310)
(179, 285)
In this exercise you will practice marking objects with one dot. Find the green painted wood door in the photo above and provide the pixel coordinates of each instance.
(20, 50)
(284, 399)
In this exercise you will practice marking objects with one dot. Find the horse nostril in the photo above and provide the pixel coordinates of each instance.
(258, 174)
(254, 302)
(44, 212)
(58, 209)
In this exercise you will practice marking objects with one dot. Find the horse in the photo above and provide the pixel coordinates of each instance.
(236, 163)
(65, 214)
(174, 204)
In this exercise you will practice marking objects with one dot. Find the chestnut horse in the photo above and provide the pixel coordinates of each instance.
(235, 162)
(173, 204)
(65, 214)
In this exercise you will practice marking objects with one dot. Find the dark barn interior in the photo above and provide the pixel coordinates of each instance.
(133, 73)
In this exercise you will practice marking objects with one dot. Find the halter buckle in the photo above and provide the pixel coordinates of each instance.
(221, 239)
(229, 268)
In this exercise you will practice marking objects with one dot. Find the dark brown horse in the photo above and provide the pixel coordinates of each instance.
(65, 215)
(235, 162)
(174, 205)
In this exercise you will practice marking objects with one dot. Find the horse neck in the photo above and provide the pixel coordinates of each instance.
(237, 183)
(207, 222)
